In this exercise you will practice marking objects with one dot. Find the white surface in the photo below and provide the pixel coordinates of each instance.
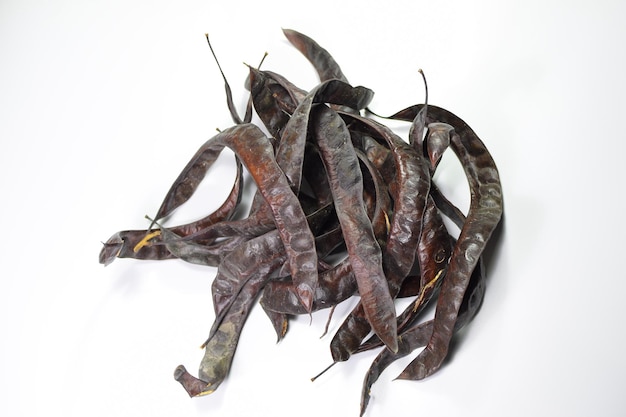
(102, 104)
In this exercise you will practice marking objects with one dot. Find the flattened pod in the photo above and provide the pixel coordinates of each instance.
(268, 103)
(484, 214)
(413, 183)
(335, 285)
(221, 346)
(469, 307)
(144, 244)
(342, 167)
(293, 91)
(255, 151)
(323, 62)
(196, 253)
(418, 335)
(434, 253)
(289, 217)
(290, 154)
(261, 255)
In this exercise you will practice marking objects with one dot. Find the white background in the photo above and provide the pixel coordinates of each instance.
(102, 104)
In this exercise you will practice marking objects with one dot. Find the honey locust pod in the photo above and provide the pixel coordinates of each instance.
(344, 207)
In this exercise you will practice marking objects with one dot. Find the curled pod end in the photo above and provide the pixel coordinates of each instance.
(194, 386)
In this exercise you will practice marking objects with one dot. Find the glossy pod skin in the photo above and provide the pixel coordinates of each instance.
(325, 65)
(484, 215)
(255, 151)
(364, 252)
(337, 283)
(485, 212)
(434, 253)
(143, 244)
(418, 335)
(343, 207)
(222, 343)
(412, 180)
(260, 255)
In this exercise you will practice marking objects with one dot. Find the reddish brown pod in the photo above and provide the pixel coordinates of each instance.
(344, 207)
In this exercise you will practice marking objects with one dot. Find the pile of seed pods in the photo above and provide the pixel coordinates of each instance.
(343, 207)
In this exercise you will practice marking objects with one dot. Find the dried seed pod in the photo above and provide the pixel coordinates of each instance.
(413, 182)
(418, 335)
(332, 183)
(365, 254)
(320, 58)
(484, 215)
(147, 244)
